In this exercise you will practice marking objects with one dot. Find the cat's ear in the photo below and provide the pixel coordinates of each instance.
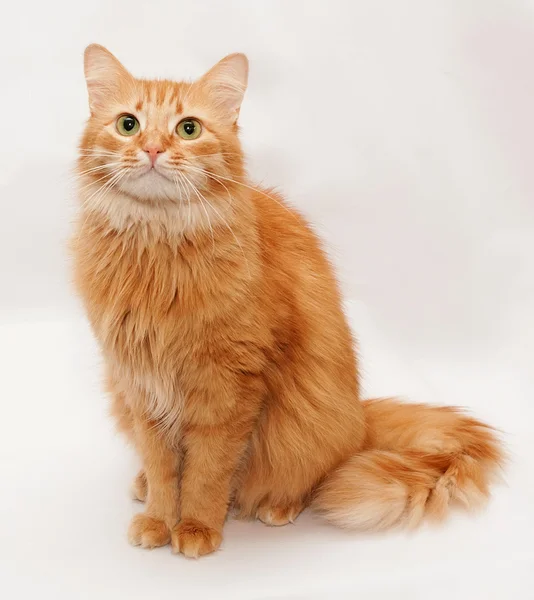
(226, 83)
(104, 75)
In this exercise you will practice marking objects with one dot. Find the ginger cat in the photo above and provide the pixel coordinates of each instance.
(230, 364)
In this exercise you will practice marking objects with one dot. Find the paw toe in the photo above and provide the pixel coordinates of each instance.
(148, 532)
(193, 539)
(277, 516)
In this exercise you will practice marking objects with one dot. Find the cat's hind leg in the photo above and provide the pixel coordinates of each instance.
(139, 489)
(276, 516)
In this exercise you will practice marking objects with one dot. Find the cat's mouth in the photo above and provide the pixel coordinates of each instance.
(153, 171)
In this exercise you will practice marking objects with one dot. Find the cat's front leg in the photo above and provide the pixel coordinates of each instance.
(210, 459)
(161, 467)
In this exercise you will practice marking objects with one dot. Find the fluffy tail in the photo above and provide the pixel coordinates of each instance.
(418, 461)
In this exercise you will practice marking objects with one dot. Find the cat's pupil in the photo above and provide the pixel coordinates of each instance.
(128, 123)
(189, 127)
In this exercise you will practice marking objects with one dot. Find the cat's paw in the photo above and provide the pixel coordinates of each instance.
(139, 489)
(193, 539)
(276, 516)
(148, 532)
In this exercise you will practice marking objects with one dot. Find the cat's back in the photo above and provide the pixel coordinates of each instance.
(299, 277)
(293, 252)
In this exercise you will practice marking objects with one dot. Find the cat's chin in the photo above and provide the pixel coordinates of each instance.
(151, 187)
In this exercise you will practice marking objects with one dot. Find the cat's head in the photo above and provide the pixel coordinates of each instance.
(160, 146)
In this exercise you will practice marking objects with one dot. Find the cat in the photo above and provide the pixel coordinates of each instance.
(229, 361)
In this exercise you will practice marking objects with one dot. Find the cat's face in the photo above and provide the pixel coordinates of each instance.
(152, 145)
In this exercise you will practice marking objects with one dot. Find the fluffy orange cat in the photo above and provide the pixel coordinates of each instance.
(229, 360)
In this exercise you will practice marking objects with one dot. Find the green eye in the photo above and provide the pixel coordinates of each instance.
(127, 125)
(189, 129)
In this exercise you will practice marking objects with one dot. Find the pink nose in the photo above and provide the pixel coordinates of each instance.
(153, 152)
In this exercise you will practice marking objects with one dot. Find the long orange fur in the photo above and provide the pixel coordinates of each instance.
(229, 360)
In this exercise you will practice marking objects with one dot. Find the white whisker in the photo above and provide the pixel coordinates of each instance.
(80, 174)
(182, 183)
(95, 151)
(254, 189)
(102, 190)
(183, 100)
(199, 196)
(105, 187)
(232, 232)
(230, 198)
(227, 225)
(90, 183)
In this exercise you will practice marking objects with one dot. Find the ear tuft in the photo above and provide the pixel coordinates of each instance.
(226, 83)
(103, 74)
